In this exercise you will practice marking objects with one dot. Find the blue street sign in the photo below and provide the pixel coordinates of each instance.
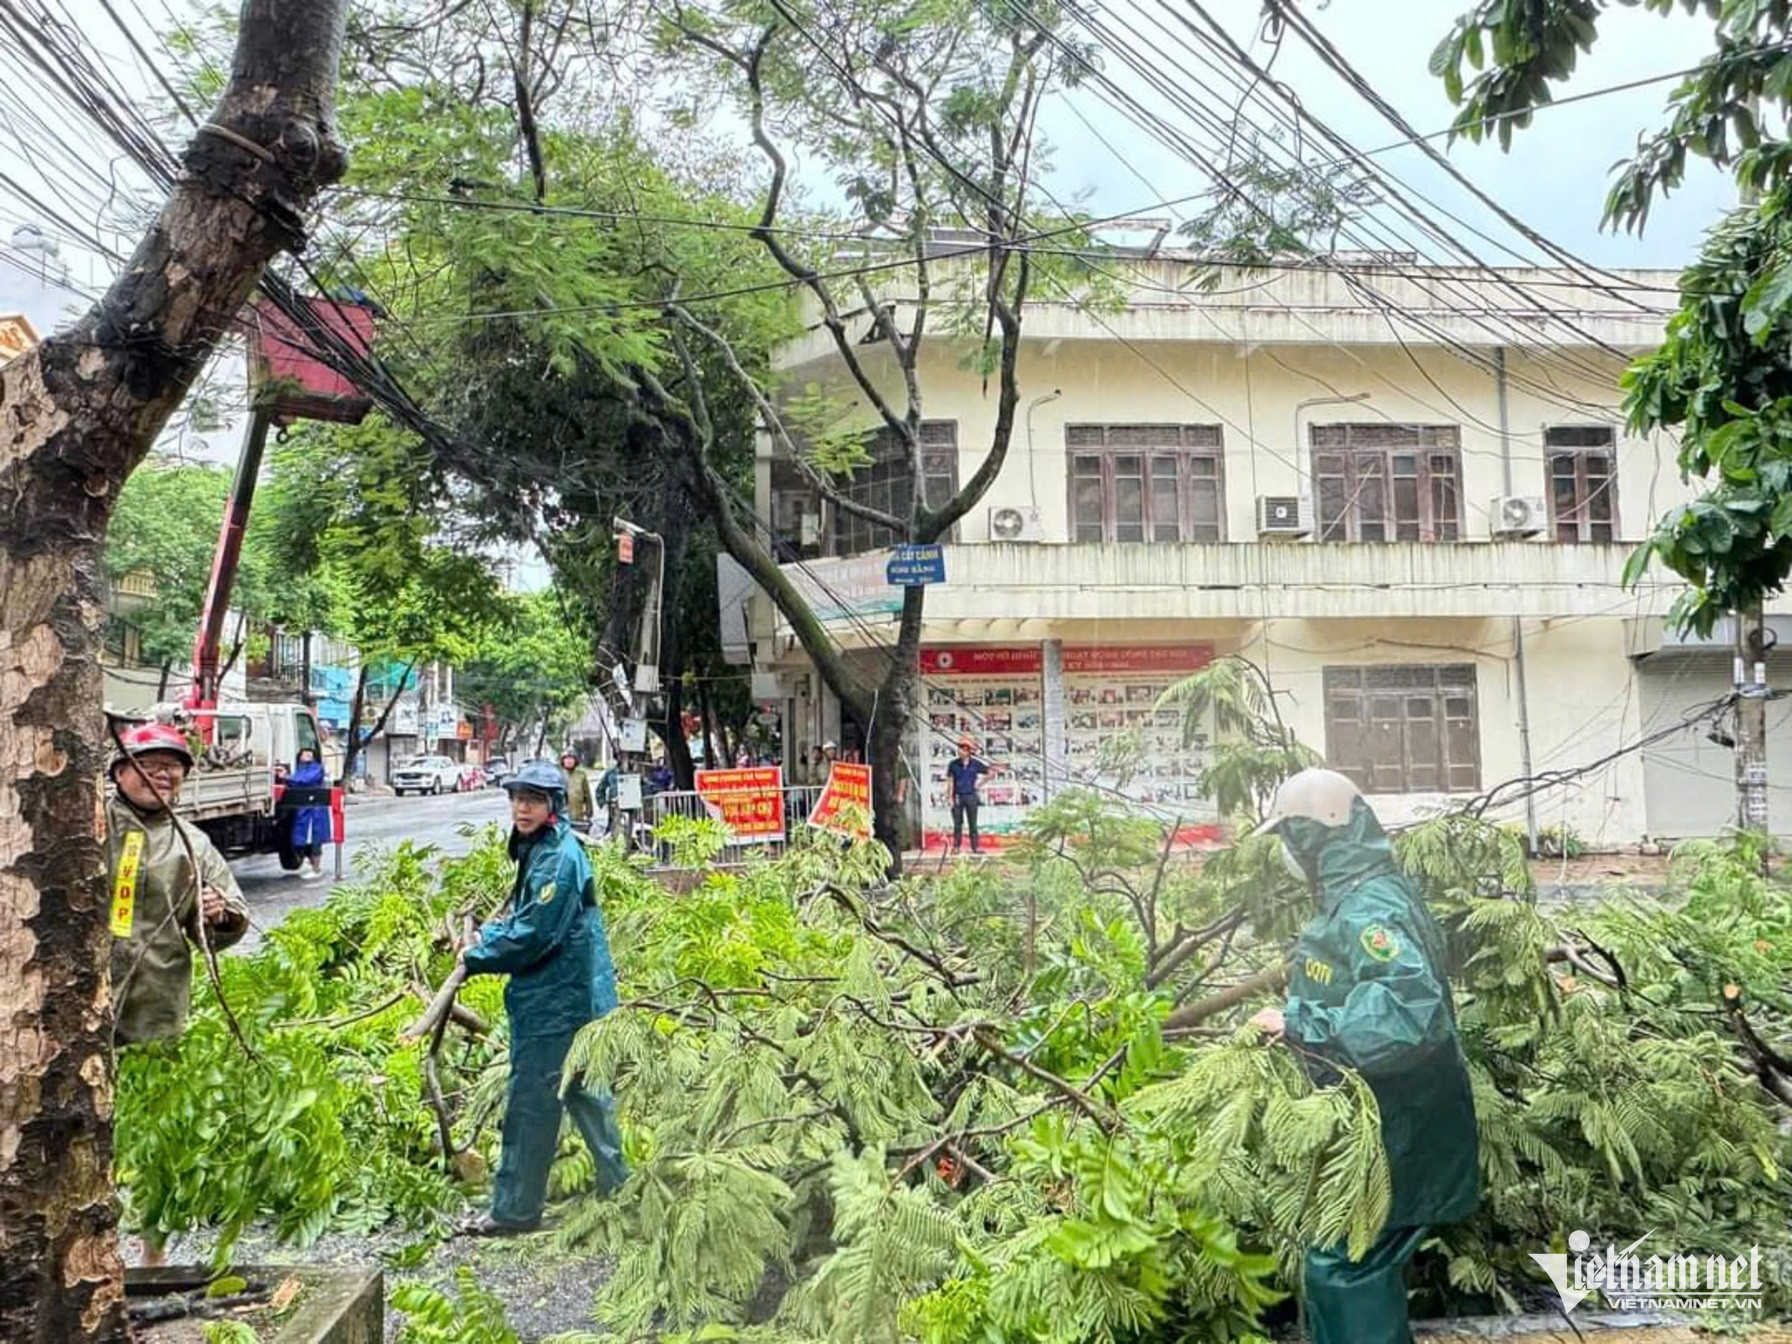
(915, 566)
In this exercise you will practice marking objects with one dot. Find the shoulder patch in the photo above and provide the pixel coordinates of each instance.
(547, 893)
(1379, 942)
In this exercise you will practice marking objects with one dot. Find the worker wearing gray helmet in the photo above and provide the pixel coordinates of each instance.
(551, 943)
(1369, 990)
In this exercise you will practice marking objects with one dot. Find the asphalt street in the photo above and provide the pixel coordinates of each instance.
(371, 824)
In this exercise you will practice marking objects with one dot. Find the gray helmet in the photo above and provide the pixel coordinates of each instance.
(540, 777)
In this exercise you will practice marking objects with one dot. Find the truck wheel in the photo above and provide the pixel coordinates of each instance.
(289, 857)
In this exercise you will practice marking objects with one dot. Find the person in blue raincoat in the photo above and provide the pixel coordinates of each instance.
(1369, 990)
(551, 943)
(310, 825)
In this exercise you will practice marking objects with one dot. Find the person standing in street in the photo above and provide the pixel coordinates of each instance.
(551, 943)
(1369, 990)
(160, 906)
(963, 773)
(310, 825)
(608, 789)
(578, 791)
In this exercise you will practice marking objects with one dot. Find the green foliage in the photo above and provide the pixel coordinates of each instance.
(326, 1126)
(1720, 378)
(959, 1111)
(230, 1332)
(532, 665)
(358, 510)
(1256, 750)
(165, 529)
(467, 1315)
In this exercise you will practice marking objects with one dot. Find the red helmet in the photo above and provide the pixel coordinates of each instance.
(142, 738)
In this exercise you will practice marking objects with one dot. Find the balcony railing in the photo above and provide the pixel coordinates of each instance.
(1250, 581)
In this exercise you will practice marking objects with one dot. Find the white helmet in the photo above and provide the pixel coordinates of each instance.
(1323, 796)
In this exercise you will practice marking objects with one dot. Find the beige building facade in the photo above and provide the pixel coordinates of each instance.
(1406, 494)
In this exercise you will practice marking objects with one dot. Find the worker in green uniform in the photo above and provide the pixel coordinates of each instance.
(1369, 990)
(550, 941)
(578, 791)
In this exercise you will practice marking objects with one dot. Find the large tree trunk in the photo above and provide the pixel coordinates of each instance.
(76, 416)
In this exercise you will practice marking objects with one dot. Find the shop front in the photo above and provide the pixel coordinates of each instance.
(1052, 716)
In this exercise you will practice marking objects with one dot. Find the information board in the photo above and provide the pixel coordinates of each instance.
(750, 803)
(993, 696)
(844, 807)
(1111, 695)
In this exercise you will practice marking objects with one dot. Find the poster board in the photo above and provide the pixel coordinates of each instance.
(1111, 694)
(844, 807)
(749, 802)
(995, 697)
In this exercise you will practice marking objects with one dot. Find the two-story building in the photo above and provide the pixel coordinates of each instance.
(1406, 493)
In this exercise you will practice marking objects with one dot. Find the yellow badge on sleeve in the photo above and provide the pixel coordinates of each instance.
(547, 894)
(124, 884)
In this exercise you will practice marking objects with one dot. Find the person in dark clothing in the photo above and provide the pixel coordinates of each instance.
(1369, 990)
(552, 945)
(962, 776)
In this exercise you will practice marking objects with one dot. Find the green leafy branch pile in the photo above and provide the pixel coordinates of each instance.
(329, 1125)
(1016, 1105)
(1007, 1103)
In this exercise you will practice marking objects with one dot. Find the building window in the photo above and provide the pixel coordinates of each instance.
(1583, 481)
(1404, 729)
(888, 485)
(1388, 482)
(1146, 482)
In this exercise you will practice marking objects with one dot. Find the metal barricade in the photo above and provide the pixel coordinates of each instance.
(799, 801)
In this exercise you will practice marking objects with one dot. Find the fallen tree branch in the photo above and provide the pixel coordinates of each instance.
(436, 1015)
(458, 1013)
(1576, 957)
(1101, 1115)
(1772, 1069)
(1193, 1014)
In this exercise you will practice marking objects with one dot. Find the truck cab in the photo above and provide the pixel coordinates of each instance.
(234, 792)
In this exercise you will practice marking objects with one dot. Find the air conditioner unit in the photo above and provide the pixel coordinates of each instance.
(1011, 524)
(1516, 516)
(1281, 517)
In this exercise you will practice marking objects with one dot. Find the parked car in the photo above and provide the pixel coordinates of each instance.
(471, 777)
(426, 774)
(497, 770)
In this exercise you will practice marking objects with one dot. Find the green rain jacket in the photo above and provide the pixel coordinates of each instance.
(1369, 989)
(551, 941)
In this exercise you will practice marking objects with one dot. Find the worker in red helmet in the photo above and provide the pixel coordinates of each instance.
(157, 901)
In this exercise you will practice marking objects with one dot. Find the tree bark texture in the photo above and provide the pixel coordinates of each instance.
(76, 417)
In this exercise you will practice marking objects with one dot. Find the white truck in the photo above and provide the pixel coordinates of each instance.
(236, 793)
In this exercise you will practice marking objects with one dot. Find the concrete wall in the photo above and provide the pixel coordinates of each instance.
(1266, 359)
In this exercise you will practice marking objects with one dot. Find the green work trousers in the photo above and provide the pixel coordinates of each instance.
(1360, 1301)
(532, 1129)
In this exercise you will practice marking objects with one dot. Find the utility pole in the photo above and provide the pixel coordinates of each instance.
(1750, 676)
(1750, 672)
